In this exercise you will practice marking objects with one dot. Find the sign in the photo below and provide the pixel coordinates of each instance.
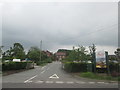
(100, 59)
(16, 60)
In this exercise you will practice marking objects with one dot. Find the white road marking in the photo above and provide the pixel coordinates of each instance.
(54, 76)
(30, 79)
(106, 83)
(43, 71)
(39, 82)
(69, 82)
(80, 82)
(43, 67)
(59, 82)
(49, 81)
(91, 82)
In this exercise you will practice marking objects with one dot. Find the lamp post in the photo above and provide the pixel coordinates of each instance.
(40, 50)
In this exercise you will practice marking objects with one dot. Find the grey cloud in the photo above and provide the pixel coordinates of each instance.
(60, 24)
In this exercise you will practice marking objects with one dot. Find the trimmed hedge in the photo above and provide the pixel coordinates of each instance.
(114, 67)
(84, 67)
(75, 67)
(14, 65)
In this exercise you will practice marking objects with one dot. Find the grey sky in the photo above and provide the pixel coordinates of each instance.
(61, 24)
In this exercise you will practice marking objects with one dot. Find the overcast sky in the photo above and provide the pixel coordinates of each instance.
(61, 25)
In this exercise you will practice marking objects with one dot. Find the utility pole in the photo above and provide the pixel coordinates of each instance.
(107, 63)
(40, 50)
(94, 57)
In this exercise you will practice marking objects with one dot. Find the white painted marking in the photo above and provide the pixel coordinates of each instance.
(39, 82)
(43, 67)
(91, 82)
(100, 82)
(80, 82)
(43, 71)
(49, 81)
(69, 82)
(30, 79)
(59, 82)
(54, 76)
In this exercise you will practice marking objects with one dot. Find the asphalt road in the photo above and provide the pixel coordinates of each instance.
(52, 76)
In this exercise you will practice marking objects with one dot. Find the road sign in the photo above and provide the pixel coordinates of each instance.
(54, 76)
(100, 59)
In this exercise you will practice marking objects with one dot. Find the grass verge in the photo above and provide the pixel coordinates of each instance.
(98, 76)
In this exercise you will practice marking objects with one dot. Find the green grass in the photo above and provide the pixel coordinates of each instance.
(98, 76)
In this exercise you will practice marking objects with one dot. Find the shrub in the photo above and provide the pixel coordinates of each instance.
(14, 65)
(75, 66)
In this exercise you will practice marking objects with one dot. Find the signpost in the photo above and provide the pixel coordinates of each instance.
(101, 59)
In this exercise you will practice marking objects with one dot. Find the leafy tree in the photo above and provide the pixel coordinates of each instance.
(92, 51)
(34, 54)
(17, 51)
(78, 54)
(1, 50)
(117, 52)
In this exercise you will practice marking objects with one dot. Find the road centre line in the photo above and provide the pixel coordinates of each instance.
(30, 79)
(43, 67)
(43, 71)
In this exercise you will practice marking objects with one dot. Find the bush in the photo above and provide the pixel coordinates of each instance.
(14, 65)
(75, 66)
(114, 67)
(48, 60)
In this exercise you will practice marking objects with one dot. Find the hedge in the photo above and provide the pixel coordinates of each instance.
(84, 67)
(75, 67)
(14, 65)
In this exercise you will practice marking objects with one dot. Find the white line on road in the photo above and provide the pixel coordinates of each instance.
(49, 81)
(59, 82)
(43, 71)
(69, 82)
(91, 82)
(43, 67)
(30, 79)
(39, 82)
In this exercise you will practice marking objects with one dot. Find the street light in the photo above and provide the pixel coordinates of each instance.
(40, 50)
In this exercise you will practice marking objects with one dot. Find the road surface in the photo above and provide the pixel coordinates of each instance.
(51, 76)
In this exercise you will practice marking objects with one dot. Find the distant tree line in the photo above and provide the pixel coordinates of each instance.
(18, 52)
